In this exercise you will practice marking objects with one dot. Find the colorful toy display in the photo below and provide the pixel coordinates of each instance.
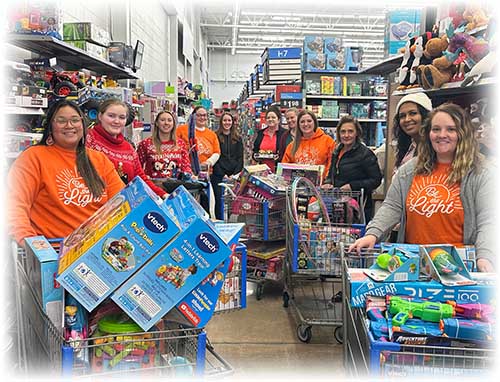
(386, 261)
(404, 308)
(443, 261)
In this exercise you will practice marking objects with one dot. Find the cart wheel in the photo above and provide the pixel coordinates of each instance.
(259, 291)
(304, 333)
(286, 297)
(339, 334)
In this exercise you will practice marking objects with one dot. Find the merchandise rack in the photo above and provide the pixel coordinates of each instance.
(42, 349)
(365, 356)
(313, 277)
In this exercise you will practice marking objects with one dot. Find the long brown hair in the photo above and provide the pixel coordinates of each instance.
(156, 131)
(298, 131)
(467, 155)
(235, 136)
(84, 165)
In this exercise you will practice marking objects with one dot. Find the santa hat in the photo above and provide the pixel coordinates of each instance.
(418, 98)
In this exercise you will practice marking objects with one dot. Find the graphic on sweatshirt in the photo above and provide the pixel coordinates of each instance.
(308, 155)
(432, 195)
(72, 190)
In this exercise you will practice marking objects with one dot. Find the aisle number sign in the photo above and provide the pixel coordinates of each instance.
(281, 53)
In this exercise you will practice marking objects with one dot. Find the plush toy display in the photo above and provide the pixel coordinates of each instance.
(406, 64)
(433, 47)
(475, 17)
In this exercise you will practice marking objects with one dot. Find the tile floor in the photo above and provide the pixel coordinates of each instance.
(261, 341)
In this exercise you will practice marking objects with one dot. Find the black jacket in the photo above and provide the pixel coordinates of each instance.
(231, 156)
(279, 142)
(357, 167)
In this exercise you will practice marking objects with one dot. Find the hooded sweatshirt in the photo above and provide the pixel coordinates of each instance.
(315, 150)
(122, 154)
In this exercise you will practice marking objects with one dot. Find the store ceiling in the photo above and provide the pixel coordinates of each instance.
(251, 27)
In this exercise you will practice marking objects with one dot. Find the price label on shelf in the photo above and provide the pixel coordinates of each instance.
(288, 103)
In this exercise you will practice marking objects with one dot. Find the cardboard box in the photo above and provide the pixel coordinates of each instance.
(314, 44)
(289, 171)
(91, 48)
(41, 268)
(360, 286)
(402, 266)
(315, 62)
(447, 268)
(114, 244)
(86, 31)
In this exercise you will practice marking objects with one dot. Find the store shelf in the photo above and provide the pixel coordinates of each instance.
(72, 57)
(386, 66)
(331, 72)
(451, 88)
(21, 134)
(325, 96)
(18, 110)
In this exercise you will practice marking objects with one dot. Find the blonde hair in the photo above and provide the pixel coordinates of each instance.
(156, 131)
(467, 155)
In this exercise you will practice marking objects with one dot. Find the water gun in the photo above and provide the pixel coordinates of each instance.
(444, 262)
(482, 312)
(378, 323)
(419, 327)
(193, 148)
(402, 309)
(467, 329)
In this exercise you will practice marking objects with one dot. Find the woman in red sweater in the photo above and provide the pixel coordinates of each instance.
(56, 185)
(163, 155)
(107, 137)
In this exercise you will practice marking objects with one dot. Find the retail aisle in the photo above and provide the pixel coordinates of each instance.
(261, 341)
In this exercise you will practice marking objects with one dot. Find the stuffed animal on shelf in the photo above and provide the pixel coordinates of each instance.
(475, 17)
(405, 67)
(427, 46)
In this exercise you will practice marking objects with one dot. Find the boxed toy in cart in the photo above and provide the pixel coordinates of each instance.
(396, 265)
(289, 171)
(177, 269)
(114, 243)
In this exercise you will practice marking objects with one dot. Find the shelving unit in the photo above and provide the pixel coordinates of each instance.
(70, 57)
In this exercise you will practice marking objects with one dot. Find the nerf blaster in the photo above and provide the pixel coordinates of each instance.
(419, 327)
(402, 309)
(467, 329)
(378, 323)
(482, 312)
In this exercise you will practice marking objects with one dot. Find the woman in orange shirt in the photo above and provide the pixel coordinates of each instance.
(445, 194)
(57, 184)
(311, 145)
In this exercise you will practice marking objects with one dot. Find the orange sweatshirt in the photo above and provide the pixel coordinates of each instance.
(46, 196)
(316, 150)
(207, 140)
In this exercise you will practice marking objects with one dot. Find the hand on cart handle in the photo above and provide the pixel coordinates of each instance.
(484, 265)
(367, 241)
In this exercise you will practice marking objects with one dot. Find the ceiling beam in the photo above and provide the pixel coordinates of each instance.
(236, 19)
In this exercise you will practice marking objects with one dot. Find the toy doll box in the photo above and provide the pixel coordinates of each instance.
(114, 243)
(41, 269)
(289, 171)
(444, 264)
(361, 285)
(395, 265)
(173, 273)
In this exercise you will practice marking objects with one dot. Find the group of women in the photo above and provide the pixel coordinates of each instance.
(441, 192)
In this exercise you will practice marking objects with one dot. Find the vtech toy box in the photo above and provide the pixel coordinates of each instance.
(114, 243)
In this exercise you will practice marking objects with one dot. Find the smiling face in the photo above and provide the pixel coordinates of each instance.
(67, 128)
(272, 120)
(444, 137)
(113, 119)
(165, 125)
(291, 119)
(201, 117)
(347, 134)
(306, 125)
(227, 122)
(410, 119)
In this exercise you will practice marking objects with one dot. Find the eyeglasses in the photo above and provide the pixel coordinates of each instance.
(202, 115)
(74, 121)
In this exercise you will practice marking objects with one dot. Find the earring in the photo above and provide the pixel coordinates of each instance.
(50, 140)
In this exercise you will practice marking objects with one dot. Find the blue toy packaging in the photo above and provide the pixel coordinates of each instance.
(41, 269)
(114, 243)
(361, 285)
(395, 265)
(444, 264)
(180, 267)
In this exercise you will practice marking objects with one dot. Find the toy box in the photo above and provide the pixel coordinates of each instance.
(289, 171)
(114, 243)
(173, 273)
(91, 48)
(444, 264)
(396, 265)
(41, 269)
(314, 44)
(361, 286)
(315, 62)
(86, 31)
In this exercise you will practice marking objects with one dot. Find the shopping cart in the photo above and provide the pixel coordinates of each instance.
(314, 231)
(168, 350)
(365, 356)
(263, 218)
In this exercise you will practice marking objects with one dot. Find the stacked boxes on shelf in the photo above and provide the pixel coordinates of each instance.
(329, 54)
(88, 37)
(281, 65)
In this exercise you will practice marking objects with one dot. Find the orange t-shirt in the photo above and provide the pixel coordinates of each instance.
(207, 141)
(434, 209)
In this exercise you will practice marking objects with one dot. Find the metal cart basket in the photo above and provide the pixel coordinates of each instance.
(315, 229)
(365, 356)
(42, 350)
